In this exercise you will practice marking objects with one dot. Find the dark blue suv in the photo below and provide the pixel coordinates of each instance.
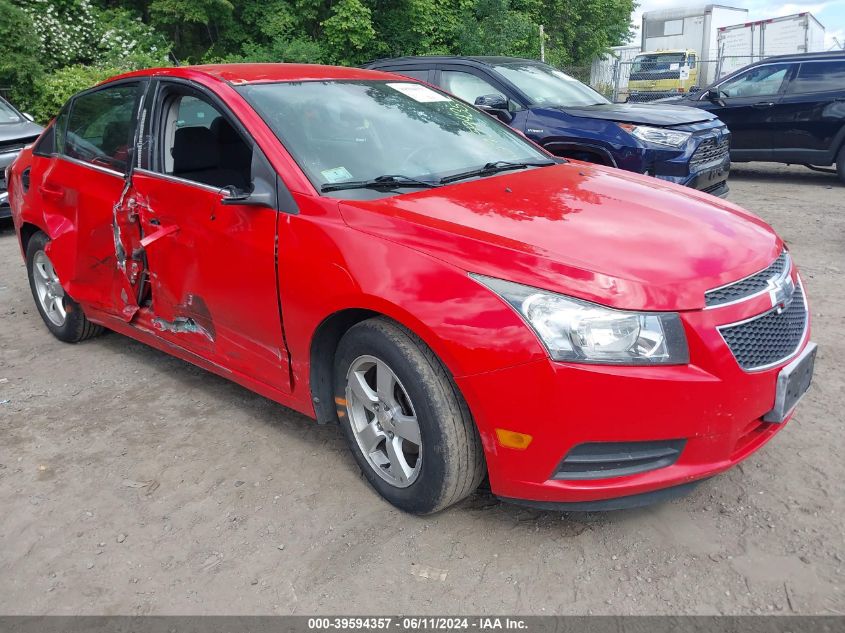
(688, 146)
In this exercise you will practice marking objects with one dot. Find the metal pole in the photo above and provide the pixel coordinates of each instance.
(616, 73)
(542, 45)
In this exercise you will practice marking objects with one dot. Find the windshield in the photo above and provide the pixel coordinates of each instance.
(544, 85)
(8, 114)
(658, 63)
(345, 131)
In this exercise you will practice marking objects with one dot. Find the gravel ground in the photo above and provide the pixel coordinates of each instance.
(134, 483)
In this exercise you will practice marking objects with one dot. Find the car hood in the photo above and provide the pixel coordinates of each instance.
(620, 239)
(645, 114)
(23, 130)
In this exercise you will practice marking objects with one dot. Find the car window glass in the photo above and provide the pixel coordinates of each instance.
(341, 131)
(819, 77)
(61, 130)
(756, 82)
(691, 61)
(8, 114)
(422, 75)
(101, 126)
(547, 86)
(201, 144)
(467, 86)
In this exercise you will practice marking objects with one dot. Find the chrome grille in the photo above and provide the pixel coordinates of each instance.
(770, 338)
(749, 286)
(711, 150)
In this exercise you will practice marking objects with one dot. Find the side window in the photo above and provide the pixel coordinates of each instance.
(420, 75)
(53, 139)
(818, 77)
(101, 126)
(61, 129)
(201, 145)
(467, 86)
(763, 81)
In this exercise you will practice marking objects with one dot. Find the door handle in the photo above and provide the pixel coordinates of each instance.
(53, 193)
(763, 104)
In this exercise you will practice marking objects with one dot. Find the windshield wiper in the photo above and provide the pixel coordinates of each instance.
(494, 168)
(388, 181)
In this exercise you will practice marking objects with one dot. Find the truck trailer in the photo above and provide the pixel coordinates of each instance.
(742, 44)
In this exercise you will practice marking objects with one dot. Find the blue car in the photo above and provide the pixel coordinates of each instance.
(684, 145)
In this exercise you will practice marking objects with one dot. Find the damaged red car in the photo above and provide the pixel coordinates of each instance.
(375, 253)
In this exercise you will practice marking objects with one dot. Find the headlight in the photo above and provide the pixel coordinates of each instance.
(657, 135)
(579, 331)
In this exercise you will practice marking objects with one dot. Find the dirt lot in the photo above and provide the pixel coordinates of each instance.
(134, 483)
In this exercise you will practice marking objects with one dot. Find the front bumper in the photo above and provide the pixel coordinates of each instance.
(711, 404)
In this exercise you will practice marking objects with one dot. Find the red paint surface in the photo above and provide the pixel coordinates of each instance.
(604, 235)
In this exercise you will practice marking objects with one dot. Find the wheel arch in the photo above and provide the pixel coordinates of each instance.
(323, 348)
(27, 230)
(568, 149)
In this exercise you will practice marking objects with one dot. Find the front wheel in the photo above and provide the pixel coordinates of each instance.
(404, 420)
(61, 314)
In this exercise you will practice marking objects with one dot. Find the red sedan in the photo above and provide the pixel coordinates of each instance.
(372, 252)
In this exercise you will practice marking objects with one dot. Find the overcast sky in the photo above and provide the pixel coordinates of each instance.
(830, 13)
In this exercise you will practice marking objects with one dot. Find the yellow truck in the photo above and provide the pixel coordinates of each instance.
(662, 73)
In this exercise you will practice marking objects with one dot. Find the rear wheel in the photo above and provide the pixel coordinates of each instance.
(61, 314)
(404, 420)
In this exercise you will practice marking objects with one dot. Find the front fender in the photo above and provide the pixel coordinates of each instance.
(469, 328)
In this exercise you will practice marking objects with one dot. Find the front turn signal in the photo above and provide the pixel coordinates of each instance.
(512, 439)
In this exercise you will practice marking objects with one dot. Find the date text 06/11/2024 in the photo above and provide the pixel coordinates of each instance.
(416, 623)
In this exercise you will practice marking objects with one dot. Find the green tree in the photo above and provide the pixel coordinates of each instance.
(20, 70)
(349, 32)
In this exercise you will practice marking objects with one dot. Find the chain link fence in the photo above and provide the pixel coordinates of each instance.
(643, 80)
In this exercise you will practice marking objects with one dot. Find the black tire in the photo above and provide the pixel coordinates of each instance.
(452, 463)
(76, 326)
(840, 163)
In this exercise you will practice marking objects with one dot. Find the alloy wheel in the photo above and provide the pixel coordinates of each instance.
(383, 421)
(49, 290)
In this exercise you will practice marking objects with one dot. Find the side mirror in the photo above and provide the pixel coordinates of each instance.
(262, 195)
(713, 95)
(495, 104)
(28, 117)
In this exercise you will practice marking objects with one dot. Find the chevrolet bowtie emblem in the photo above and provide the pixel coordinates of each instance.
(781, 291)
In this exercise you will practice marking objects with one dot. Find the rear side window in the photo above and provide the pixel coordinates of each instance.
(819, 77)
(53, 138)
(421, 75)
(101, 125)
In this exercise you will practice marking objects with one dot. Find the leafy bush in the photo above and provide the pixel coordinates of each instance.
(61, 85)
(20, 70)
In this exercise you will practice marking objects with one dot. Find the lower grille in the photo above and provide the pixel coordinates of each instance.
(770, 338)
(712, 150)
(600, 460)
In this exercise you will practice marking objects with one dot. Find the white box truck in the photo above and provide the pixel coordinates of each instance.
(741, 44)
(690, 29)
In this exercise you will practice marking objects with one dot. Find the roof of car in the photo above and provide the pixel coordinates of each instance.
(489, 60)
(262, 73)
(795, 57)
